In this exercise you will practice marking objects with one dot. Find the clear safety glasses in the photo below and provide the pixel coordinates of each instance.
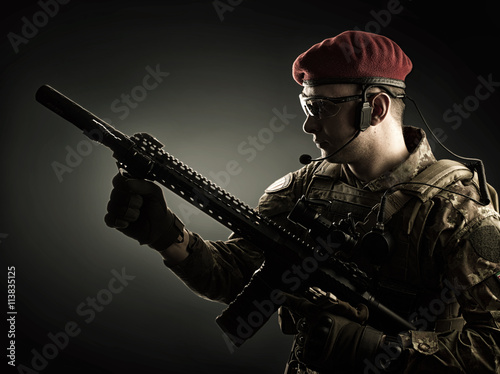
(321, 107)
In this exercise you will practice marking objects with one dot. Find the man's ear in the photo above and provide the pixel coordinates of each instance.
(381, 104)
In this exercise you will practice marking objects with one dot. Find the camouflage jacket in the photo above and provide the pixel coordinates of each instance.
(445, 269)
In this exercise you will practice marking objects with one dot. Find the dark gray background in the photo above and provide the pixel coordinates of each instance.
(226, 76)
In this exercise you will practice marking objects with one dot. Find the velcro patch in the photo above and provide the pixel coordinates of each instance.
(280, 184)
(486, 242)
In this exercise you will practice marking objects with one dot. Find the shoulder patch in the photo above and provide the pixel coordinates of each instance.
(486, 242)
(280, 184)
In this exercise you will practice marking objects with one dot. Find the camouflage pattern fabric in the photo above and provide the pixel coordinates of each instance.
(453, 263)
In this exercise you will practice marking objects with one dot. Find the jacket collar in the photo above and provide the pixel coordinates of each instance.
(420, 157)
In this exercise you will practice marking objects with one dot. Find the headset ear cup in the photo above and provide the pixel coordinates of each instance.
(365, 115)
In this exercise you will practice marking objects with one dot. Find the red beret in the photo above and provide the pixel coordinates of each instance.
(353, 57)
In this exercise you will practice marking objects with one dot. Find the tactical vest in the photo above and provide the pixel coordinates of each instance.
(408, 279)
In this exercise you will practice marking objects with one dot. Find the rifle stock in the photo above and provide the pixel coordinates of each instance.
(143, 157)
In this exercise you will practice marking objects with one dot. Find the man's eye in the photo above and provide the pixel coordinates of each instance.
(319, 108)
(328, 109)
(313, 108)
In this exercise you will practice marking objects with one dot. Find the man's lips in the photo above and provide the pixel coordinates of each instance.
(321, 144)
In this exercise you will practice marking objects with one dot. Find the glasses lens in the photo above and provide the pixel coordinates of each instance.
(319, 108)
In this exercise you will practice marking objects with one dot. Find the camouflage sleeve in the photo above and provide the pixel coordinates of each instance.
(218, 270)
(471, 258)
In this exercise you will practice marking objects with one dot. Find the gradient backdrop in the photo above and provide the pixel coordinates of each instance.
(228, 75)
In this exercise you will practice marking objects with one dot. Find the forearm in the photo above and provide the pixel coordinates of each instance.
(176, 252)
(216, 270)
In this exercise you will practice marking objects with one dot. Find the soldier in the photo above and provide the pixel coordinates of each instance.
(442, 270)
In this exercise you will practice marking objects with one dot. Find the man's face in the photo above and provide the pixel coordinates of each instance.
(331, 133)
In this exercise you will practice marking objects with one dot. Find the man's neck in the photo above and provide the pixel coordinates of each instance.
(379, 163)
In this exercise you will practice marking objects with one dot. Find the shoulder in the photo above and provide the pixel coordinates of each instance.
(468, 223)
(461, 231)
(280, 196)
(470, 239)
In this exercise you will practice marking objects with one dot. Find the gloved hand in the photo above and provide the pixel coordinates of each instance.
(331, 335)
(138, 209)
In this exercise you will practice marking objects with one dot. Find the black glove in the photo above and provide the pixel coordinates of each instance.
(331, 335)
(138, 209)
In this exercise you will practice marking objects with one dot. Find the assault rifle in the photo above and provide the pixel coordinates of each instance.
(143, 156)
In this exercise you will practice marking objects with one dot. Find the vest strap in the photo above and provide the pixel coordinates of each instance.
(426, 184)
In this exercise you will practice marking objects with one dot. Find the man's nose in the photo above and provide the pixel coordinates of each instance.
(311, 125)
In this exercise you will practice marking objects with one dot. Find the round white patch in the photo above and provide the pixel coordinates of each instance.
(280, 184)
